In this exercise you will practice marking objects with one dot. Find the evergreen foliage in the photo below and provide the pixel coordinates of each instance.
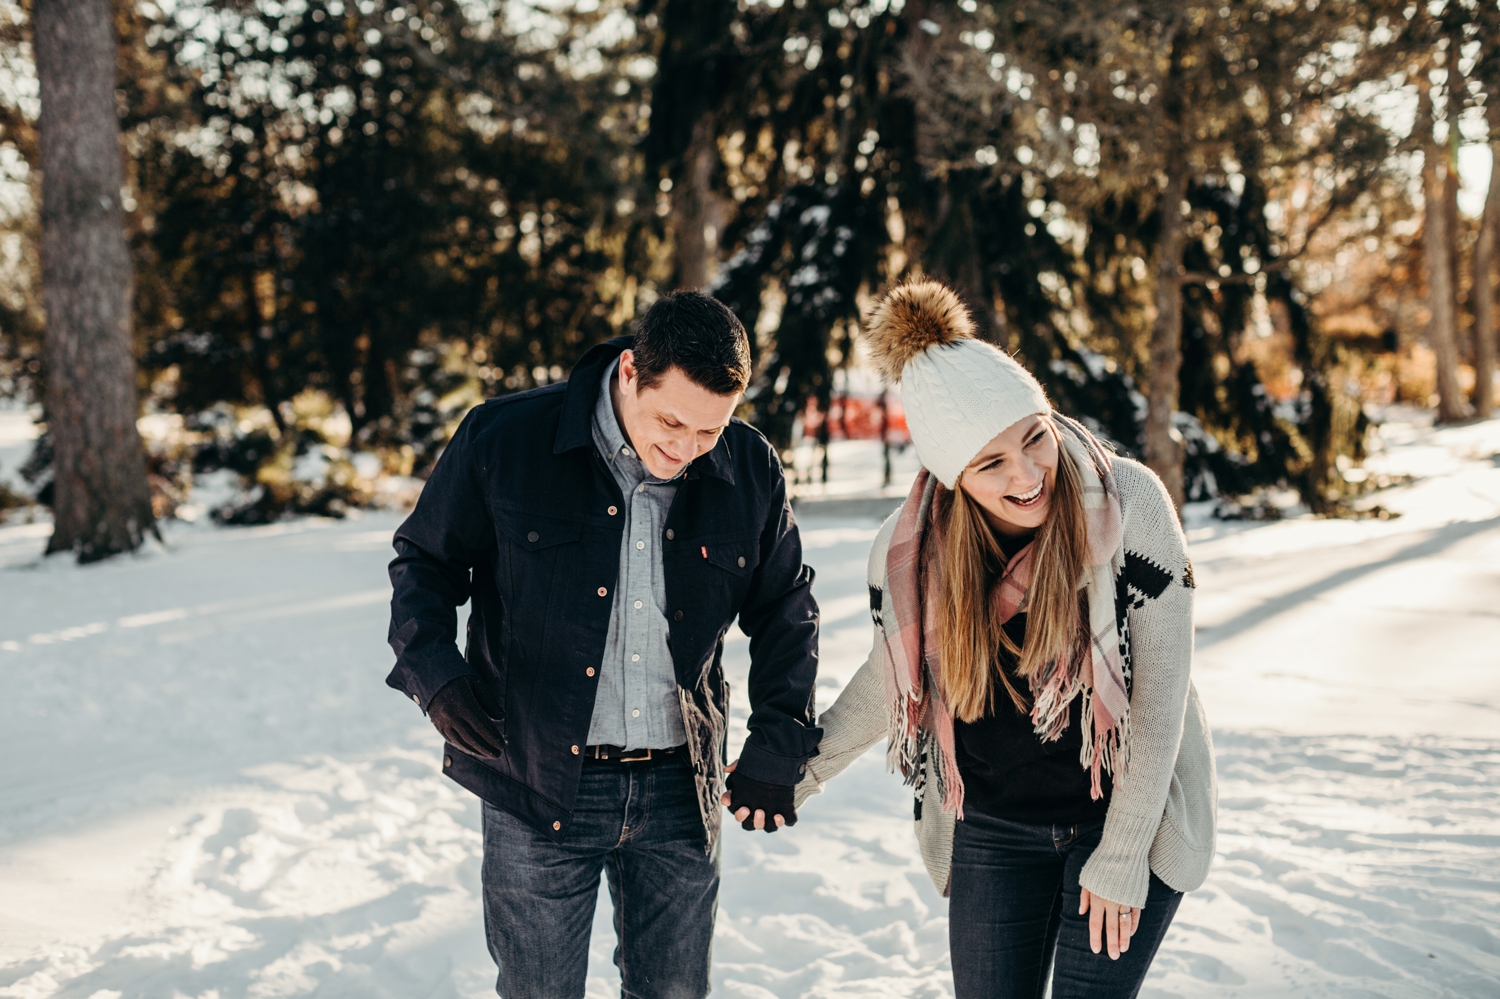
(338, 187)
(399, 207)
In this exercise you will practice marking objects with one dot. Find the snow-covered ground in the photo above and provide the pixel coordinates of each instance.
(207, 792)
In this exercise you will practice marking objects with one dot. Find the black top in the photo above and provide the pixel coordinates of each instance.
(1009, 773)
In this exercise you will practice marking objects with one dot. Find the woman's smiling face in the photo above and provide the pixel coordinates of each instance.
(1013, 476)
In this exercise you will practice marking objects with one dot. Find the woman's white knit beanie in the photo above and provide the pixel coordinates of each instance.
(957, 390)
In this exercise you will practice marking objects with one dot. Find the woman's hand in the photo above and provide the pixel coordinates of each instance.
(1118, 921)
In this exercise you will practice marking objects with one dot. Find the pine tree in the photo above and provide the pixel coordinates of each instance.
(411, 177)
(1158, 130)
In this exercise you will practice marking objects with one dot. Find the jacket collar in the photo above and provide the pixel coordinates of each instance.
(575, 429)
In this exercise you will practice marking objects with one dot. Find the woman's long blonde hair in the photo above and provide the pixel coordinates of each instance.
(972, 563)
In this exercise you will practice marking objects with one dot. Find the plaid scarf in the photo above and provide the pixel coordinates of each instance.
(920, 721)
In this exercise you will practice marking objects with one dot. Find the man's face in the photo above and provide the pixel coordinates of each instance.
(673, 421)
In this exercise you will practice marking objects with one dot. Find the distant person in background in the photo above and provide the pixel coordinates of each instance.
(608, 531)
(1033, 607)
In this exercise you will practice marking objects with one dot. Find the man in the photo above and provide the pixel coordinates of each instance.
(608, 531)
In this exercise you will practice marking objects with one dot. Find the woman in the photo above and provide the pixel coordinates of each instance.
(1033, 635)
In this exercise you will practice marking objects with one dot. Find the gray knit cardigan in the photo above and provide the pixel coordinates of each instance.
(1161, 815)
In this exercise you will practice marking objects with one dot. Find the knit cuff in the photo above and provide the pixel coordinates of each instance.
(806, 788)
(1120, 868)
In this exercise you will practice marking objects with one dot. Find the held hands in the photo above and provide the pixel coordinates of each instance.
(758, 805)
(1118, 921)
(458, 715)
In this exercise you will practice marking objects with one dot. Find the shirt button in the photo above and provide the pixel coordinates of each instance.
(636, 658)
(447, 761)
(671, 534)
(589, 671)
(636, 713)
(639, 545)
(677, 616)
(742, 561)
(641, 488)
(613, 511)
(556, 826)
(637, 605)
(624, 449)
(575, 750)
(533, 537)
(603, 592)
(414, 697)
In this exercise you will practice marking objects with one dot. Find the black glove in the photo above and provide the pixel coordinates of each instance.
(773, 799)
(457, 714)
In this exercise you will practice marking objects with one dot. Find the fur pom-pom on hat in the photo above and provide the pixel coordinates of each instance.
(910, 319)
(958, 391)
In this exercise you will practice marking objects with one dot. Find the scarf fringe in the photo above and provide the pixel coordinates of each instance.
(903, 753)
(1049, 711)
(1106, 751)
(950, 784)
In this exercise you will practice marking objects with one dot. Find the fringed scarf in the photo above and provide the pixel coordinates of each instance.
(919, 717)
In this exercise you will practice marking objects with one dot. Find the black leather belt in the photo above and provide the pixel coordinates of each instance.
(615, 754)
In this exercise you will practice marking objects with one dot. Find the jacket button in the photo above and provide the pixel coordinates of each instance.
(742, 561)
(447, 761)
(575, 750)
(533, 537)
(556, 825)
(671, 534)
(589, 671)
(613, 511)
(677, 616)
(603, 592)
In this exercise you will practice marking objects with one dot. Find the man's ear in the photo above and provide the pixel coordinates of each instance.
(628, 373)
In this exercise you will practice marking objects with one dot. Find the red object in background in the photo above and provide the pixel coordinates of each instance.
(857, 418)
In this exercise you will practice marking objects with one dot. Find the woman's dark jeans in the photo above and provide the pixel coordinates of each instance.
(1013, 915)
(639, 824)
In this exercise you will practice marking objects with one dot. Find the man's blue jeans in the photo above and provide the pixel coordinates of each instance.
(639, 823)
(1013, 915)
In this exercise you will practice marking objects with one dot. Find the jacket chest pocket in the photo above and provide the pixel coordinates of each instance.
(738, 558)
(717, 571)
(536, 546)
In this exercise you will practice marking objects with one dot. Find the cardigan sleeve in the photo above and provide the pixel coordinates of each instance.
(854, 723)
(858, 717)
(1156, 584)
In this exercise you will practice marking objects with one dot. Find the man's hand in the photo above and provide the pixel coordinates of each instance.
(457, 714)
(758, 805)
(1119, 922)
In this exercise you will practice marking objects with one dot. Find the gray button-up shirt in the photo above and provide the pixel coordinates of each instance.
(636, 706)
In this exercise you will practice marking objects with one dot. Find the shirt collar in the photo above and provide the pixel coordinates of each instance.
(608, 437)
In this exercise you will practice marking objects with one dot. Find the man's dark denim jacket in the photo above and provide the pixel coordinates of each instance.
(521, 517)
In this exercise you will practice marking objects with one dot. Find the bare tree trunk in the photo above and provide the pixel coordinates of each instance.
(1482, 294)
(1437, 251)
(697, 256)
(102, 502)
(1455, 242)
(1163, 448)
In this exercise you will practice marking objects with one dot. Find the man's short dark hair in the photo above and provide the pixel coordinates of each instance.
(697, 333)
